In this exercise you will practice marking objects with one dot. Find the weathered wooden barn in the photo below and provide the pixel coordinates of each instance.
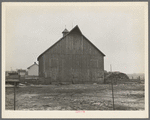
(73, 59)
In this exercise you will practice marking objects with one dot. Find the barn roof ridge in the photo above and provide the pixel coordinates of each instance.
(64, 37)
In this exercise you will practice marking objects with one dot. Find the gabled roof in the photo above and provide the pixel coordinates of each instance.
(76, 27)
(33, 65)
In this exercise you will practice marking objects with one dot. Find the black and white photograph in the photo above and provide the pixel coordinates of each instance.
(75, 60)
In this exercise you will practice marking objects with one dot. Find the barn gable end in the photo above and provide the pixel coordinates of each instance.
(74, 31)
(72, 59)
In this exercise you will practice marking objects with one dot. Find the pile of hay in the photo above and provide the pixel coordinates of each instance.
(116, 77)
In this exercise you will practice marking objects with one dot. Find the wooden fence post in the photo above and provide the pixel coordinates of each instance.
(14, 95)
(112, 94)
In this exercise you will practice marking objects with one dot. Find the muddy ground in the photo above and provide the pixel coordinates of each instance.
(76, 97)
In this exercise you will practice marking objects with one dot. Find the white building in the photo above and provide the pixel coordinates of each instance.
(33, 70)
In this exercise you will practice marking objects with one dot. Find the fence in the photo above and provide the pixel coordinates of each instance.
(78, 97)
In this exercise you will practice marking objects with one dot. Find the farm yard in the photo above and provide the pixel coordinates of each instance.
(76, 97)
(76, 61)
(53, 63)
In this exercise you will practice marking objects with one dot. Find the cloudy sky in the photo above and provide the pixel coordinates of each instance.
(117, 30)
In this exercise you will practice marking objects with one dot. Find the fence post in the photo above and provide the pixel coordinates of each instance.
(14, 95)
(112, 94)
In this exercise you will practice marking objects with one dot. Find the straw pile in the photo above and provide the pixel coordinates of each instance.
(116, 77)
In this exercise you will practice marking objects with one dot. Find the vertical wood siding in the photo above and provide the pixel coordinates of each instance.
(73, 59)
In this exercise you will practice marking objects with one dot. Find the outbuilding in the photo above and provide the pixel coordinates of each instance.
(33, 70)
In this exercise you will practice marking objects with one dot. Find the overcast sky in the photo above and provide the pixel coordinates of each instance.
(118, 31)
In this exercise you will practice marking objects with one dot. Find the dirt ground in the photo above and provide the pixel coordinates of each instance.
(76, 97)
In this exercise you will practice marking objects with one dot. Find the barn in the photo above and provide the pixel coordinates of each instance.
(73, 59)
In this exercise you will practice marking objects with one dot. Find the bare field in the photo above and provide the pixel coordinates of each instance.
(76, 97)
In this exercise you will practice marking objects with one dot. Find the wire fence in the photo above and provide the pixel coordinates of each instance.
(77, 97)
